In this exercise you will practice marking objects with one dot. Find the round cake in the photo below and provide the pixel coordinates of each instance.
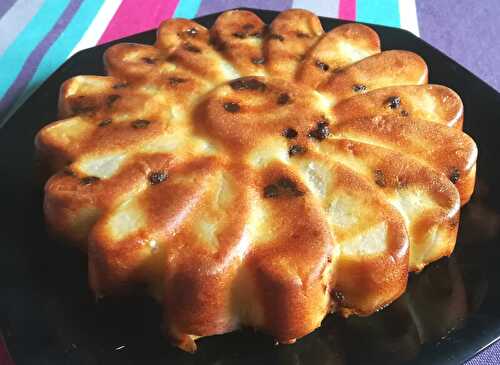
(257, 175)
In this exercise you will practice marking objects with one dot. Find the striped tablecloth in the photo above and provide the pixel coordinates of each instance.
(37, 36)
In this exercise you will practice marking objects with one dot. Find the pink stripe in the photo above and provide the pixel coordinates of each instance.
(137, 16)
(347, 9)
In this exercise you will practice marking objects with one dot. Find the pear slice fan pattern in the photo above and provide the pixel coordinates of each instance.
(257, 175)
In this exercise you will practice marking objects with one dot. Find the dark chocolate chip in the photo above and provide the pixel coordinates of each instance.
(393, 102)
(303, 35)
(192, 32)
(338, 297)
(379, 178)
(296, 150)
(404, 113)
(89, 180)
(140, 123)
(283, 99)
(321, 65)
(191, 48)
(111, 100)
(321, 131)
(271, 191)
(104, 123)
(240, 35)
(175, 80)
(148, 60)
(247, 84)
(289, 133)
(289, 186)
(359, 88)
(258, 60)
(120, 85)
(156, 177)
(278, 37)
(248, 27)
(231, 107)
(454, 175)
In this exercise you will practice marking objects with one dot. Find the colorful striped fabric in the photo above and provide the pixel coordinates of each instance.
(36, 36)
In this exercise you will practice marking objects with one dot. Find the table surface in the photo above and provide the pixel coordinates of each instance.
(37, 36)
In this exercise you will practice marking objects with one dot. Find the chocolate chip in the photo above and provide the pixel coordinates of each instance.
(321, 65)
(231, 107)
(321, 131)
(248, 27)
(289, 133)
(257, 34)
(247, 84)
(89, 180)
(296, 150)
(271, 191)
(338, 297)
(404, 113)
(303, 35)
(278, 37)
(240, 35)
(148, 60)
(393, 102)
(111, 100)
(175, 80)
(359, 88)
(104, 123)
(140, 123)
(120, 85)
(156, 177)
(379, 178)
(289, 186)
(258, 60)
(454, 175)
(191, 48)
(283, 99)
(192, 32)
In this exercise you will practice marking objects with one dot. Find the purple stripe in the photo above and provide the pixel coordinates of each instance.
(211, 6)
(5, 5)
(31, 64)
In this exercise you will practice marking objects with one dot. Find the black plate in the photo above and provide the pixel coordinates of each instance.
(449, 312)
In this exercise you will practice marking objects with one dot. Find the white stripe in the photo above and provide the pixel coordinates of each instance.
(408, 16)
(98, 26)
(328, 8)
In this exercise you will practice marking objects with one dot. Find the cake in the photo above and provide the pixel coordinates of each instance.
(253, 175)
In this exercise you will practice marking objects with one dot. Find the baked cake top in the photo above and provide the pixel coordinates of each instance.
(257, 175)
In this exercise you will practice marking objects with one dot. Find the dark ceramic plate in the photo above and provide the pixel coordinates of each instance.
(450, 312)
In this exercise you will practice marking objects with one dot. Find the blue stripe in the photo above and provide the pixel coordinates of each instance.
(60, 50)
(18, 52)
(187, 9)
(385, 12)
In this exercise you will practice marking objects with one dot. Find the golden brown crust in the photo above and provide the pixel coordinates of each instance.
(389, 68)
(433, 103)
(340, 47)
(242, 187)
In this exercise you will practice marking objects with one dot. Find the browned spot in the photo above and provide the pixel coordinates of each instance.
(404, 113)
(148, 60)
(277, 37)
(258, 60)
(175, 80)
(120, 85)
(240, 35)
(248, 27)
(111, 100)
(303, 35)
